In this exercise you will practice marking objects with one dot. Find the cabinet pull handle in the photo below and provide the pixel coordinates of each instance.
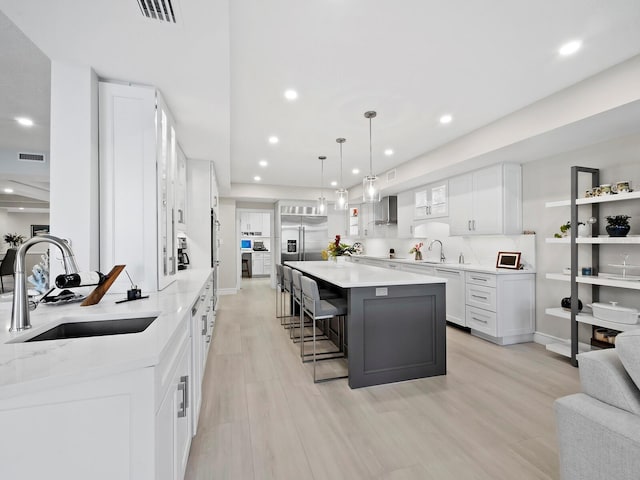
(479, 320)
(469, 225)
(182, 412)
(454, 272)
(473, 222)
(204, 325)
(480, 279)
(479, 296)
(208, 338)
(185, 379)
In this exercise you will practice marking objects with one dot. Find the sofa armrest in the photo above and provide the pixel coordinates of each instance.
(603, 377)
(596, 440)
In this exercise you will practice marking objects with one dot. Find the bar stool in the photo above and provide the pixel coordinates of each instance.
(246, 262)
(279, 290)
(288, 290)
(319, 309)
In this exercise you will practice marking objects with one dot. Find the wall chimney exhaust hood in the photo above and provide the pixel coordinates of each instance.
(386, 212)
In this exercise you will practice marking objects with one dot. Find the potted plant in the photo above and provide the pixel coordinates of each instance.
(618, 225)
(337, 249)
(416, 249)
(583, 230)
(14, 240)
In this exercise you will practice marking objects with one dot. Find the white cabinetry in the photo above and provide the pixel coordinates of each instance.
(431, 201)
(260, 263)
(181, 189)
(406, 211)
(138, 149)
(337, 222)
(254, 224)
(173, 420)
(487, 201)
(501, 307)
(455, 293)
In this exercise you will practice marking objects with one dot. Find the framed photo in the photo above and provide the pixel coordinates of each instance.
(39, 229)
(508, 260)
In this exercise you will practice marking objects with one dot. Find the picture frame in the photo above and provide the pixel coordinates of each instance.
(39, 230)
(510, 260)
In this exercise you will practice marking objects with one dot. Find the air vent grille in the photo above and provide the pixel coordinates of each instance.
(158, 10)
(31, 157)
(391, 175)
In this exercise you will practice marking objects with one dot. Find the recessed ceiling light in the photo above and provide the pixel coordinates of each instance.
(273, 140)
(444, 119)
(20, 208)
(355, 171)
(8, 190)
(570, 48)
(24, 121)
(263, 163)
(290, 94)
(334, 184)
(257, 178)
(388, 152)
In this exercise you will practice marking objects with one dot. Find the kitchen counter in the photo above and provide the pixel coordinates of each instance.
(30, 367)
(471, 267)
(395, 322)
(351, 275)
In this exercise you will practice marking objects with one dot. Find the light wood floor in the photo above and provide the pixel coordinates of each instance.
(262, 417)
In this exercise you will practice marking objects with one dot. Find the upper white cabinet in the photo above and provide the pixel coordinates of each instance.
(486, 201)
(431, 201)
(138, 169)
(337, 222)
(255, 224)
(406, 208)
(181, 189)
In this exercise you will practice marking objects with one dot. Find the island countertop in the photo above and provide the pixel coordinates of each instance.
(32, 366)
(352, 275)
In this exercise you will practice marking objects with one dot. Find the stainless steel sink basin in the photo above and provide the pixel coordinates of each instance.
(92, 328)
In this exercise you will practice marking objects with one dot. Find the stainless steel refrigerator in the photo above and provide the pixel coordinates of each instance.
(303, 237)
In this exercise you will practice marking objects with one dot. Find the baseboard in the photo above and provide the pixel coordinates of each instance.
(544, 339)
(227, 291)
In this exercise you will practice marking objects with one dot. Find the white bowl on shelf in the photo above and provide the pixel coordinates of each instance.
(612, 312)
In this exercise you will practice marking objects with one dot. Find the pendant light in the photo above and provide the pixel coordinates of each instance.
(342, 196)
(322, 201)
(370, 187)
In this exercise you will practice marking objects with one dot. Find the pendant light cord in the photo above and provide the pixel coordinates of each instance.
(370, 151)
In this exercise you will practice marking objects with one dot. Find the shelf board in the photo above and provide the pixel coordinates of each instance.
(590, 200)
(564, 240)
(629, 239)
(564, 348)
(585, 317)
(604, 279)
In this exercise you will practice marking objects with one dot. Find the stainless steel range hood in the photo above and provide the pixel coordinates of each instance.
(386, 212)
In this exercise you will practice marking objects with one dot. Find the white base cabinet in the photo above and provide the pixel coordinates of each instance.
(501, 308)
(455, 292)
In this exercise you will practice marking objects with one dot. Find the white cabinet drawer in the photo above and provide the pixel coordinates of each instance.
(478, 278)
(481, 297)
(482, 320)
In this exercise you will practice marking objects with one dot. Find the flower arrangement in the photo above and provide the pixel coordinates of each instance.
(416, 248)
(337, 249)
(13, 239)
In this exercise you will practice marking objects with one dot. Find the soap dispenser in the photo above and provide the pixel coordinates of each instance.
(461, 258)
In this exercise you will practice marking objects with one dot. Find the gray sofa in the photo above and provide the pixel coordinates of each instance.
(599, 429)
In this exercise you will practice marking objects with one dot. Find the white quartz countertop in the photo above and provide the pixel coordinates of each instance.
(353, 275)
(452, 265)
(27, 367)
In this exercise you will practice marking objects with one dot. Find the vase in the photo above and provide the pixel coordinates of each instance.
(583, 231)
(340, 259)
(618, 230)
(418, 256)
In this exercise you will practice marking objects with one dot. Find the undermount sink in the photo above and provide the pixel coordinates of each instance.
(92, 328)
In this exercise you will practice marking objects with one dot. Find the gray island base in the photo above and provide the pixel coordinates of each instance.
(396, 325)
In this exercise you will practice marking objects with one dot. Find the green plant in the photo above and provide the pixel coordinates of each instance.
(618, 220)
(14, 239)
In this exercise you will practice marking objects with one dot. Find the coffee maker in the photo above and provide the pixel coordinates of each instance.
(183, 257)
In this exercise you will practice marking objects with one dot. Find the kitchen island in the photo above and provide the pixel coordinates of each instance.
(396, 325)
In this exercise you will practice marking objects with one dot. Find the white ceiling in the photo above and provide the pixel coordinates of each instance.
(223, 70)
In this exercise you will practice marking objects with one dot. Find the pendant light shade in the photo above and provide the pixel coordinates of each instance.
(322, 201)
(370, 187)
(342, 196)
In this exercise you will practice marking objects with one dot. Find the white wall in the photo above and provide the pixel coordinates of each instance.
(227, 273)
(548, 180)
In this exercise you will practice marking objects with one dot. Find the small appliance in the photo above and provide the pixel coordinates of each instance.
(259, 246)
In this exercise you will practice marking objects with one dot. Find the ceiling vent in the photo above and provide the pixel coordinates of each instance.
(391, 175)
(158, 10)
(31, 157)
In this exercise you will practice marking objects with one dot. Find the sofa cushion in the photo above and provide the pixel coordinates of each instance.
(603, 376)
(628, 348)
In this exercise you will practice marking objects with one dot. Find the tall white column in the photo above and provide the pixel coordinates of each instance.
(74, 163)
